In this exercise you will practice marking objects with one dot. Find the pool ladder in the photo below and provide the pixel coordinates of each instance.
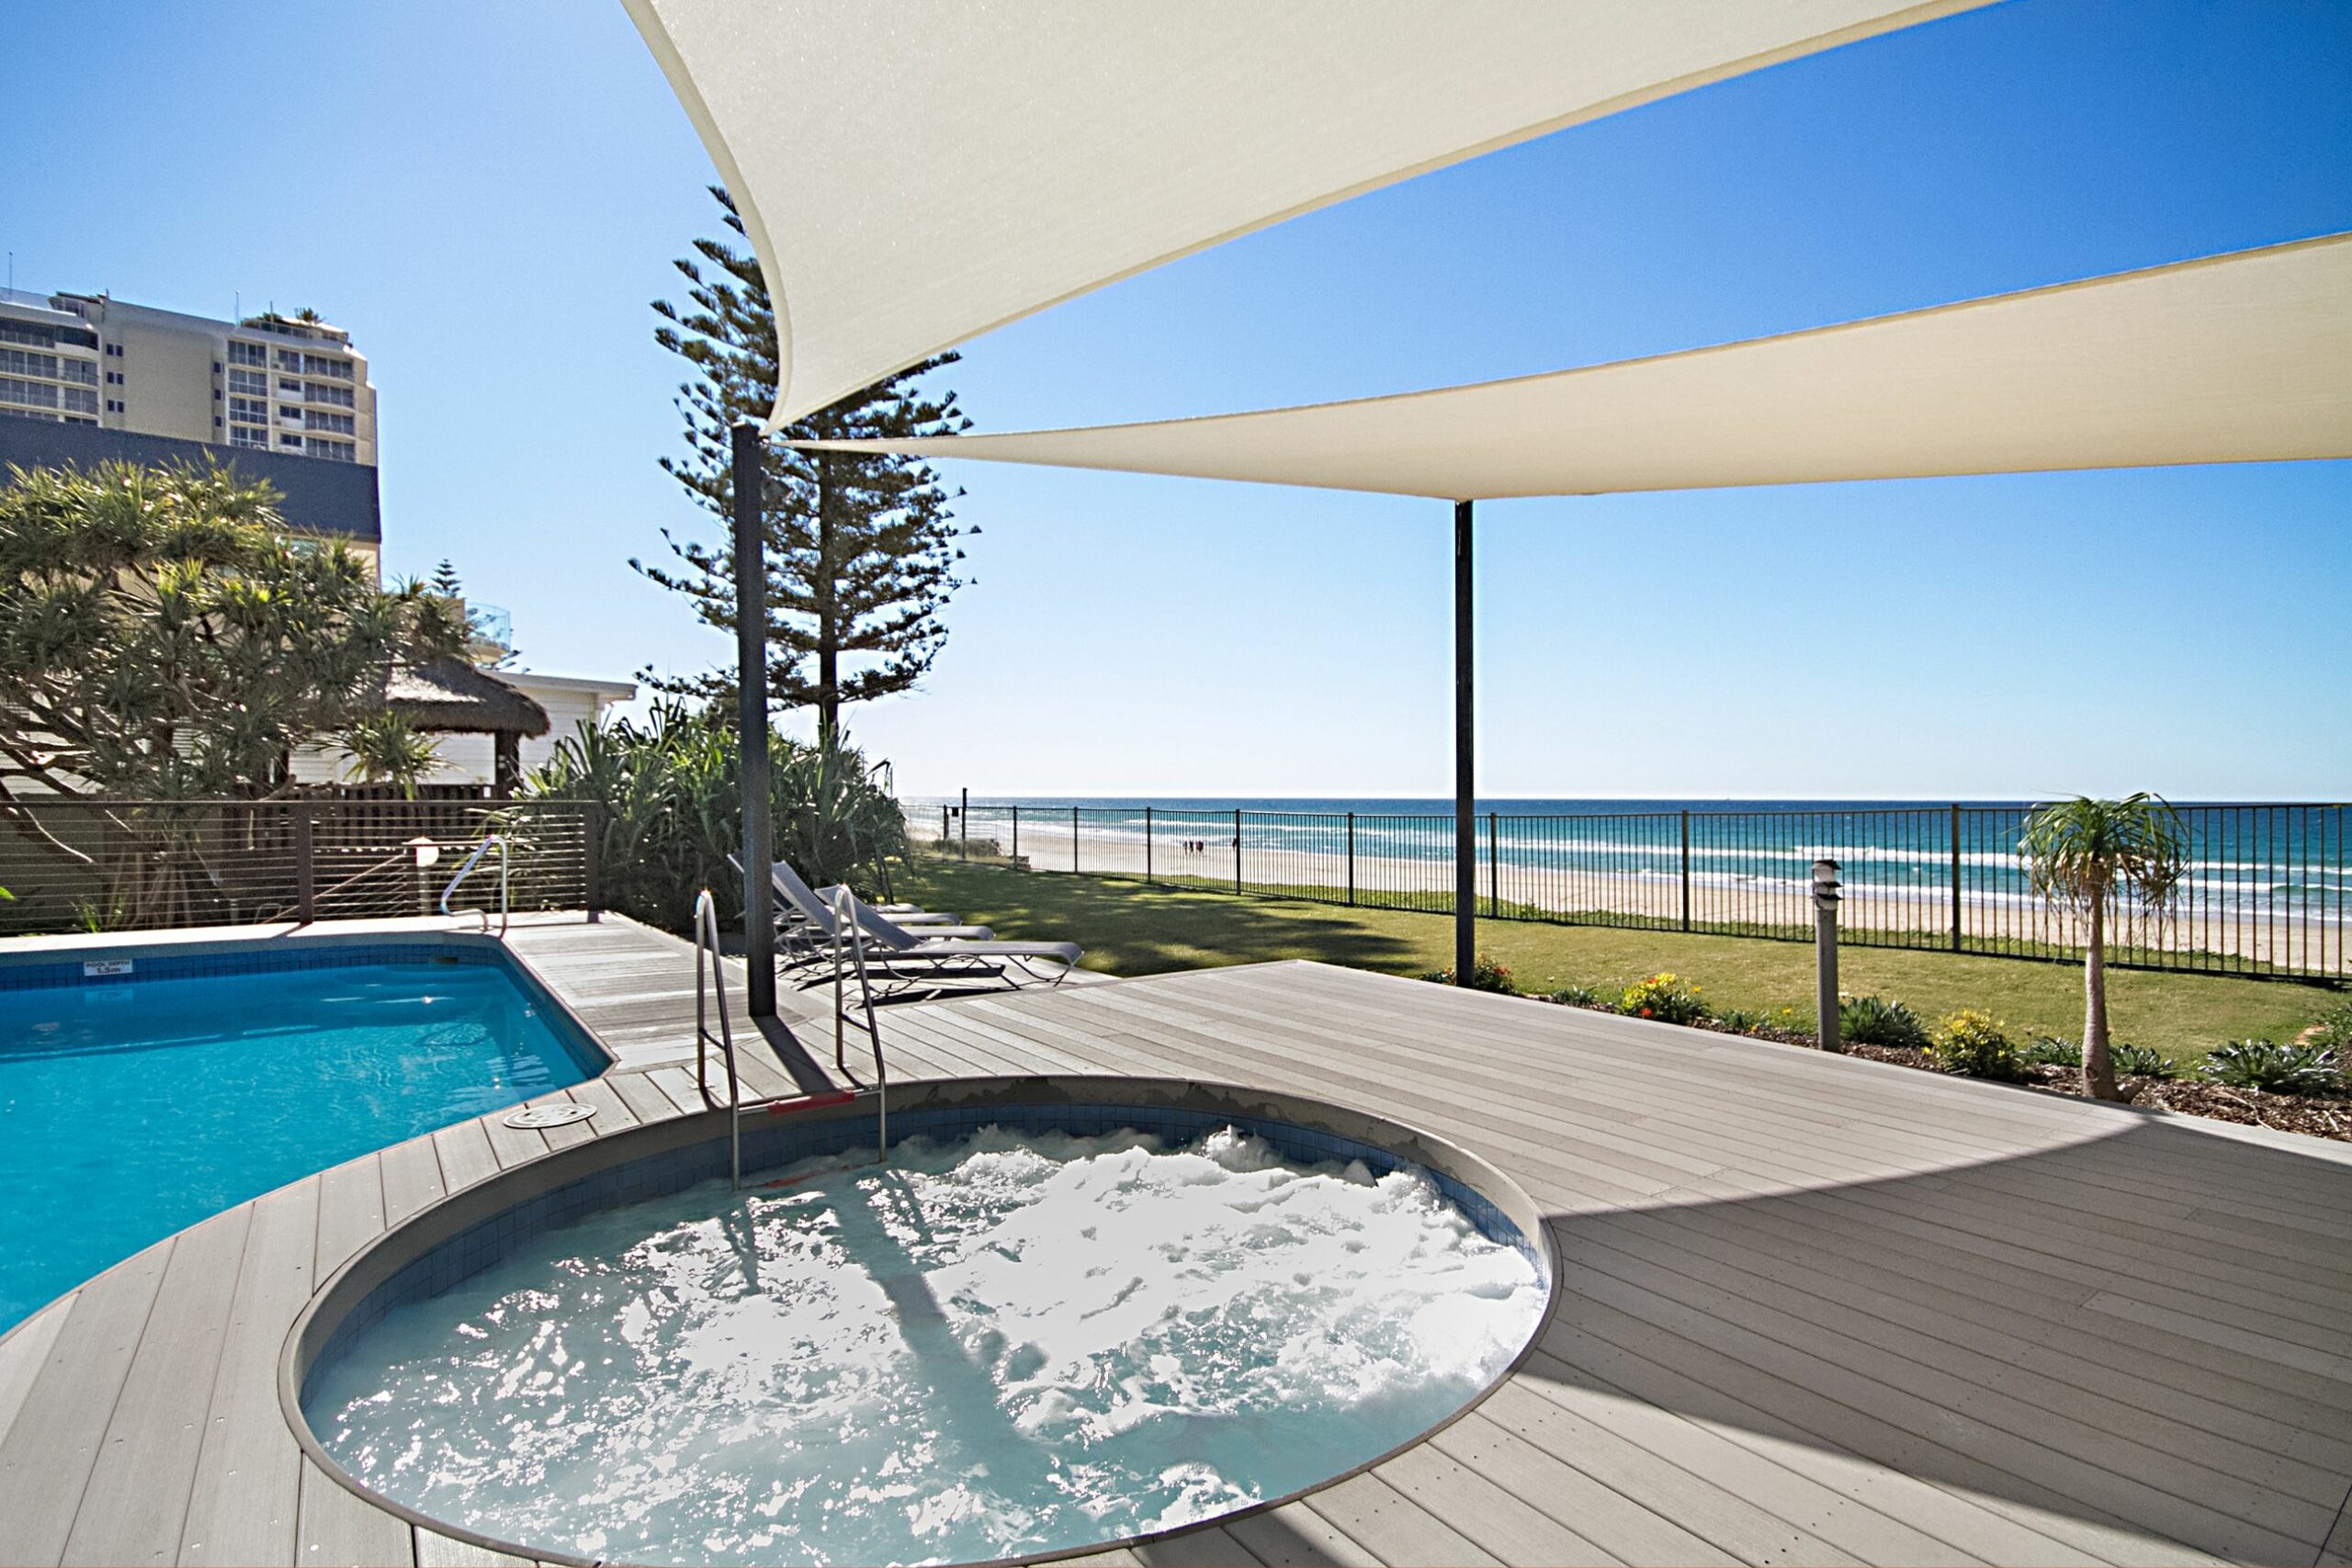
(710, 999)
(489, 841)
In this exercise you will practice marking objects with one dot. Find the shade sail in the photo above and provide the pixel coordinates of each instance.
(2239, 359)
(913, 176)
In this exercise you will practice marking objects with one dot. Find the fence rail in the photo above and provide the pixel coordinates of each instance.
(2268, 892)
(99, 865)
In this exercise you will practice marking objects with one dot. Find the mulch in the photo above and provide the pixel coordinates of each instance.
(2316, 1116)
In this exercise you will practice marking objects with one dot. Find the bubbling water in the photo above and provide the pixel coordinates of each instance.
(999, 1345)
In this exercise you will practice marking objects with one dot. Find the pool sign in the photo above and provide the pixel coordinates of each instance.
(105, 968)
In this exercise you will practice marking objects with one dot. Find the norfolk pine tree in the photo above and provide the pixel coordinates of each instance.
(861, 550)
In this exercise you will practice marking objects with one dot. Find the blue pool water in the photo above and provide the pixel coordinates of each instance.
(130, 1110)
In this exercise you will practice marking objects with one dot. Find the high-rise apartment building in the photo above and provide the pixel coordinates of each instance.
(292, 386)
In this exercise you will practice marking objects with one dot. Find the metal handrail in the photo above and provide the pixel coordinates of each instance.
(710, 980)
(466, 870)
(845, 926)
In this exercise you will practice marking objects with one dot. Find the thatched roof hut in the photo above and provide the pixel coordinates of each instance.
(452, 696)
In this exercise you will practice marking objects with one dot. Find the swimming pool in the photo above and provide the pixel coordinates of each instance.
(134, 1105)
(1044, 1323)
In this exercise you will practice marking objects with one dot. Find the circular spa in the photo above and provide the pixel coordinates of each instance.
(1062, 1314)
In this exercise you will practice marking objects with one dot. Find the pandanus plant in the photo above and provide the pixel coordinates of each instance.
(2087, 857)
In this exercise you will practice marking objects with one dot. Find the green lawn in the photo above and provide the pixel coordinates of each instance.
(1133, 927)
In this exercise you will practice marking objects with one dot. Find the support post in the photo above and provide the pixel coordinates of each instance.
(1465, 774)
(1146, 843)
(306, 865)
(1237, 848)
(1494, 868)
(1955, 876)
(752, 721)
(1352, 857)
(1073, 840)
(591, 859)
(1017, 835)
(1686, 870)
(1825, 953)
(963, 825)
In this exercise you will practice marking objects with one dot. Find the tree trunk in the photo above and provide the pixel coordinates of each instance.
(829, 651)
(2099, 1068)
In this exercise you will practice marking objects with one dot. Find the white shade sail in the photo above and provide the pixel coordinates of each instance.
(2238, 358)
(912, 174)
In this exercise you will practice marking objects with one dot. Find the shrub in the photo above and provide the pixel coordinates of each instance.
(1741, 1020)
(2333, 1029)
(1875, 1020)
(2140, 1061)
(2279, 1069)
(672, 814)
(2052, 1051)
(1486, 974)
(1663, 997)
(1975, 1044)
(1579, 996)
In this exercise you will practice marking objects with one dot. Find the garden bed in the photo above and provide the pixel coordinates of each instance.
(2316, 1116)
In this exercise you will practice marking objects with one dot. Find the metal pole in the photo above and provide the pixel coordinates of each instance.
(1465, 773)
(963, 825)
(592, 870)
(306, 866)
(1352, 857)
(1146, 843)
(1016, 835)
(1073, 840)
(1686, 870)
(1494, 869)
(1824, 951)
(751, 722)
(1955, 876)
(1236, 850)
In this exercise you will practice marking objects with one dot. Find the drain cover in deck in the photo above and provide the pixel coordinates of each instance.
(560, 1114)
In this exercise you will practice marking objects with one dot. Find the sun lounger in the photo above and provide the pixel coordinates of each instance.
(931, 951)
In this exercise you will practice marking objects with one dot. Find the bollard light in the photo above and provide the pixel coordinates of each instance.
(426, 852)
(1825, 953)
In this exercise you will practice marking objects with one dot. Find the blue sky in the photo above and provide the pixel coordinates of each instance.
(488, 195)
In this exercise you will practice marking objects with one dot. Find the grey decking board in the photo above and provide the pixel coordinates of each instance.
(1999, 1455)
(51, 1449)
(1859, 1268)
(351, 1211)
(336, 1526)
(465, 1155)
(1972, 1526)
(25, 1351)
(137, 1496)
(1499, 1523)
(1714, 1257)
(1294, 1536)
(244, 1499)
(1211, 1546)
(1364, 1507)
(1627, 1528)
(437, 1550)
(411, 1172)
(1763, 1401)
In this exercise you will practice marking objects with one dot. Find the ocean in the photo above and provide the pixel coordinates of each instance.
(2264, 861)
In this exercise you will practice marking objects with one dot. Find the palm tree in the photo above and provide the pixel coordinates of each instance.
(386, 748)
(2080, 854)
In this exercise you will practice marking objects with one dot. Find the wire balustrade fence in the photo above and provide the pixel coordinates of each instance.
(2268, 890)
(105, 865)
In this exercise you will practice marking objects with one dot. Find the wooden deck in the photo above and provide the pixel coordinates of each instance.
(1815, 1310)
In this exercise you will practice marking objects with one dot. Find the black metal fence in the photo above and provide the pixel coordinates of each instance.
(2268, 892)
(101, 865)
